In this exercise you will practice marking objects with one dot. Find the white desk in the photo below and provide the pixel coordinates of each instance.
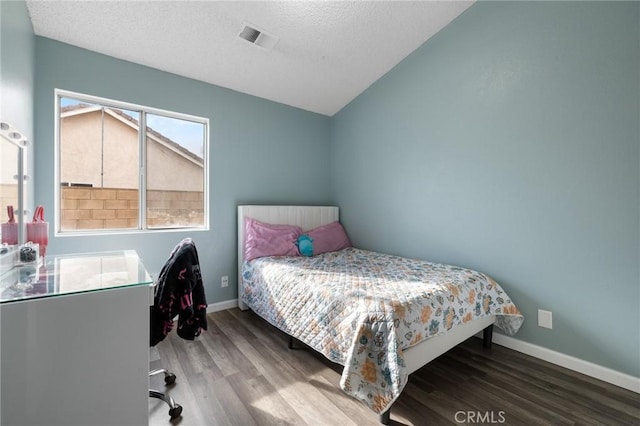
(74, 337)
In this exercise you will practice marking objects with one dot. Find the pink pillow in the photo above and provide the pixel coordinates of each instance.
(263, 239)
(330, 237)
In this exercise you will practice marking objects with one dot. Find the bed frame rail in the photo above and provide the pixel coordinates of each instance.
(487, 337)
(385, 417)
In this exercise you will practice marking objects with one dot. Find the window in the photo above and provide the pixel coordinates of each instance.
(128, 167)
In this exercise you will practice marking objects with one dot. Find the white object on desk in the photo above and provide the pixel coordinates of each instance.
(77, 354)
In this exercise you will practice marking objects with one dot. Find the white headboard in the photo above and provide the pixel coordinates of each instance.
(307, 217)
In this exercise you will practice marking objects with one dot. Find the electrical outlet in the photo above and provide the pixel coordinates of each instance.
(545, 319)
(224, 281)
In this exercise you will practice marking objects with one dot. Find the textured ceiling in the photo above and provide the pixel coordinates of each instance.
(327, 53)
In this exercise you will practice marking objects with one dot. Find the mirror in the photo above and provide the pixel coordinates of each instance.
(12, 188)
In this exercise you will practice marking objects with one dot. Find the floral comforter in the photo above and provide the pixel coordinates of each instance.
(361, 309)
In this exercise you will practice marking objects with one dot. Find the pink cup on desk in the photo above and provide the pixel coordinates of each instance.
(38, 230)
(10, 229)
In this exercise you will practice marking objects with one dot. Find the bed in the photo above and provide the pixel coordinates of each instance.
(380, 316)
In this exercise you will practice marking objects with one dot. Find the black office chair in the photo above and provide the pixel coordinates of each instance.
(179, 291)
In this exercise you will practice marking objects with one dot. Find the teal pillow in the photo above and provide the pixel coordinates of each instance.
(305, 245)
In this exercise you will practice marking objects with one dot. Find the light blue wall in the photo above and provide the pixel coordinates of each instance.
(17, 66)
(509, 143)
(17, 45)
(261, 152)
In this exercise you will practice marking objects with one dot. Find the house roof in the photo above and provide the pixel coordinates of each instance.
(83, 108)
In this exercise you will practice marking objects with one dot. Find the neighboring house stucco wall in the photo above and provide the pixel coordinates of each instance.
(168, 170)
(81, 141)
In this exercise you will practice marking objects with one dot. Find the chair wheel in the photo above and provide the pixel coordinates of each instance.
(169, 379)
(175, 411)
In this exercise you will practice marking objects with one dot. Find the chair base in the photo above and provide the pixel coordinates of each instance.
(175, 410)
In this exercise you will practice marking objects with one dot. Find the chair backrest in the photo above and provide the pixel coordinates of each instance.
(179, 291)
(184, 254)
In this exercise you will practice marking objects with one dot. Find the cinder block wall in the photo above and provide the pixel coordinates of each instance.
(175, 208)
(109, 208)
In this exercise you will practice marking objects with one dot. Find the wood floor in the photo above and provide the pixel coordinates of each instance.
(240, 372)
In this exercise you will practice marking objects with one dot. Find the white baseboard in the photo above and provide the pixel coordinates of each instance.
(221, 306)
(576, 364)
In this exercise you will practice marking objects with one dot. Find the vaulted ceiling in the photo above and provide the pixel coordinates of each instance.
(314, 55)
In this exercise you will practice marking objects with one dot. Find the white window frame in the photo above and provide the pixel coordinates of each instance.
(142, 187)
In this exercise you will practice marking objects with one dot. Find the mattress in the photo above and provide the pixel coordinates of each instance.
(362, 309)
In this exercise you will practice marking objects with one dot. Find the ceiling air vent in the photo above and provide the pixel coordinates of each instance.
(258, 37)
(249, 34)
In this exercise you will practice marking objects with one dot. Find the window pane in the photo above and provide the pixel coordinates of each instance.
(101, 184)
(175, 172)
(98, 166)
